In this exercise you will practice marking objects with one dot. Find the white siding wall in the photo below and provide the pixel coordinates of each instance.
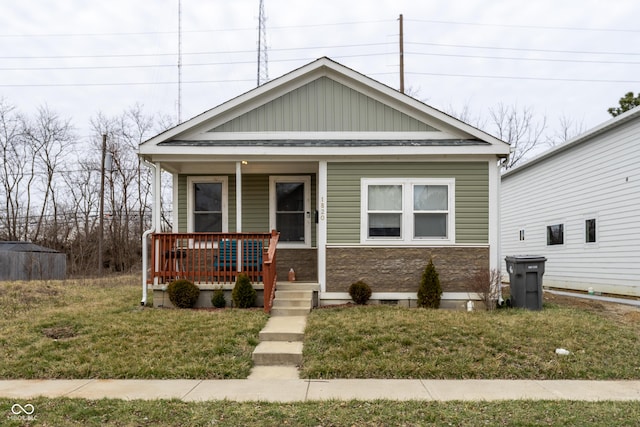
(600, 179)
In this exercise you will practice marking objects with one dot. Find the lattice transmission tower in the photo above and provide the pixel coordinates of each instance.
(263, 59)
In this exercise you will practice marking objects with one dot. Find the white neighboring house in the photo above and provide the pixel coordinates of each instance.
(578, 205)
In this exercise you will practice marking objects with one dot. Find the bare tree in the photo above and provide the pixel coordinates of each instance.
(567, 129)
(519, 127)
(80, 208)
(12, 171)
(51, 138)
(49, 191)
(128, 183)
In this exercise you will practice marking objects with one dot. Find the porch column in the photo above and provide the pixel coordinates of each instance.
(156, 212)
(322, 225)
(238, 197)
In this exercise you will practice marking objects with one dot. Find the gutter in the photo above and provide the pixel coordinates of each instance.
(147, 233)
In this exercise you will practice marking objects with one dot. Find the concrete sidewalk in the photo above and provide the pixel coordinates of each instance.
(299, 390)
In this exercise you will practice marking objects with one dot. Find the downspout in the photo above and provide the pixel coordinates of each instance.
(147, 233)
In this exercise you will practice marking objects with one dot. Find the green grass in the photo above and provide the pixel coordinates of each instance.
(80, 412)
(392, 342)
(96, 329)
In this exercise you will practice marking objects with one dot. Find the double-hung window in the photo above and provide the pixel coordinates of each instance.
(407, 210)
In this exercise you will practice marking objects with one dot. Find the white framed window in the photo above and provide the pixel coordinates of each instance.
(555, 234)
(407, 210)
(207, 204)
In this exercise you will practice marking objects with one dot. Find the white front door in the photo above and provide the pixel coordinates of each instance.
(290, 209)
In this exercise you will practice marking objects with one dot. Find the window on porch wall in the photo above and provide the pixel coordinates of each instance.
(207, 215)
(207, 204)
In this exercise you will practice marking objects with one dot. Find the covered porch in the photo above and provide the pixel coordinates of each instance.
(214, 260)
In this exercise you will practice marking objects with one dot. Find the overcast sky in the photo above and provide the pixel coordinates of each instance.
(572, 58)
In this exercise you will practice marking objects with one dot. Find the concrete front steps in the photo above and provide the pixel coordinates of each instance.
(280, 350)
(293, 299)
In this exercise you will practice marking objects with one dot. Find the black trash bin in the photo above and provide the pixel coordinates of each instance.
(525, 280)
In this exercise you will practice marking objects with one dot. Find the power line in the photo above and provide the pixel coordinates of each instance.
(225, 52)
(211, 30)
(326, 24)
(206, 64)
(527, 27)
(560, 79)
(580, 61)
(371, 74)
(524, 49)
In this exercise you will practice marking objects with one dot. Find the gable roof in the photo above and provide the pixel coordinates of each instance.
(608, 126)
(378, 113)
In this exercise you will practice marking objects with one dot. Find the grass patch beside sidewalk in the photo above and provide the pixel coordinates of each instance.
(393, 342)
(96, 329)
(109, 412)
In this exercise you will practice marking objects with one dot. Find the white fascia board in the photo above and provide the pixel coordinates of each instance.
(177, 153)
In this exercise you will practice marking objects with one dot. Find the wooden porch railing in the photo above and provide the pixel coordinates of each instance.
(215, 258)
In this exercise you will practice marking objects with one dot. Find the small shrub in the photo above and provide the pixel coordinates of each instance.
(183, 293)
(430, 291)
(217, 299)
(243, 294)
(360, 292)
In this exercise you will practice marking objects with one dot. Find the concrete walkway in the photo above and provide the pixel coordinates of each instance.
(308, 390)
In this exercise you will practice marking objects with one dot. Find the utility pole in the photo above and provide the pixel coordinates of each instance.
(101, 219)
(401, 56)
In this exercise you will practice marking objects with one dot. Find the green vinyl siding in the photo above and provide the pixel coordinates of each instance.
(181, 204)
(255, 199)
(324, 105)
(471, 198)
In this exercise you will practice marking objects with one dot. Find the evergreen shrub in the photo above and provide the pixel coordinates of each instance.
(217, 299)
(430, 291)
(243, 294)
(183, 293)
(360, 292)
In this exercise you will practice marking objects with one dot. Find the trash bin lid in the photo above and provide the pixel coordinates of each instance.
(525, 258)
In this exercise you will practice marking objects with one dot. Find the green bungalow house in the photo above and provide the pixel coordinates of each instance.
(330, 175)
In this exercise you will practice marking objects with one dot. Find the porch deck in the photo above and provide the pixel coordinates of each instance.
(215, 259)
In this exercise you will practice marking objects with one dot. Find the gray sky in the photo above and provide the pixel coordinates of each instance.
(572, 57)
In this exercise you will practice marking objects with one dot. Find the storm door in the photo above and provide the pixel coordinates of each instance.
(290, 209)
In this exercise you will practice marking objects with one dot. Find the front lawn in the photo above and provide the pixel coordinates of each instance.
(392, 342)
(96, 329)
